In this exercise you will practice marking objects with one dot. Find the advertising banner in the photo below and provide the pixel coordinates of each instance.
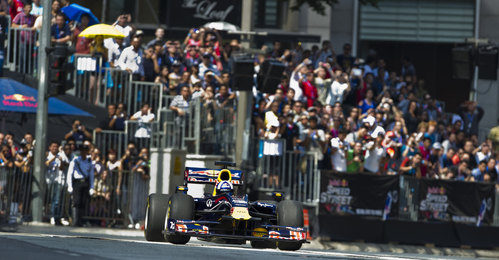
(360, 194)
(201, 12)
(457, 201)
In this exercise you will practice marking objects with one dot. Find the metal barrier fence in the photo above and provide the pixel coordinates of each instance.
(140, 133)
(296, 173)
(120, 196)
(109, 139)
(88, 77)
(137, 132)
(218, 130)
(15, 193)
(7, 45)
(408, 204)
(204, 129)
(101, 85)
(22, 50)
(171, 132)
(140, 93)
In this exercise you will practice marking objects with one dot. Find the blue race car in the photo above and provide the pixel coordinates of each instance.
(222, 215)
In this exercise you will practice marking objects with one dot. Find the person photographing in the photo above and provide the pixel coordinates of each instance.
(80, 182)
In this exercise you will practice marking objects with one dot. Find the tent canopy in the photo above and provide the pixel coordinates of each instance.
(17, 97)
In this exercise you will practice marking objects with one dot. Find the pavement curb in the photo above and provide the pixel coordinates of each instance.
(316, 244)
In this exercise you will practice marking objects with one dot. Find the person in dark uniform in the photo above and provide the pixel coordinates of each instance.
(80, 182)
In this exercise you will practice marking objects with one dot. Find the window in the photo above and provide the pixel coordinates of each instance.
(268, 13)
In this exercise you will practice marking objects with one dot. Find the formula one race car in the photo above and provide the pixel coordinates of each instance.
(222, 215)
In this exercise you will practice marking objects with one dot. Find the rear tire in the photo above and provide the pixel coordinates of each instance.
(263, 244)
(181, 207)
(155, 217)
(289, 213)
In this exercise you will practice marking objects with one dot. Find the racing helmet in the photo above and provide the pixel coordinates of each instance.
(224, 187)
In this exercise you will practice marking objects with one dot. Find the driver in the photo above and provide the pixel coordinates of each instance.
(224, 187)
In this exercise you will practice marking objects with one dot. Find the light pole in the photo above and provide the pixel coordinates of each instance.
(245, 99)
(38, 190)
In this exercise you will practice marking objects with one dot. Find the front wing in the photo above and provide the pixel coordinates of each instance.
(201, 229)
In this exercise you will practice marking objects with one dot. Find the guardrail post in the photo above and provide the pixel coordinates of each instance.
(7, 46)
(197, 125)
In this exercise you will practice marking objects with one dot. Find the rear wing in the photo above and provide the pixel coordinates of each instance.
(209, 176)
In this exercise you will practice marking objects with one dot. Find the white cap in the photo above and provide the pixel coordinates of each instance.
(335, 143)
(273, 122)
(370, 120)
(437, 146)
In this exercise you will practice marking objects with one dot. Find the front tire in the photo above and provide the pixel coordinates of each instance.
(180, 207)
(155, 217)
(289, 213)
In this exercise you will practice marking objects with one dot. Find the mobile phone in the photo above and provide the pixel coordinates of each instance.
(356, 72)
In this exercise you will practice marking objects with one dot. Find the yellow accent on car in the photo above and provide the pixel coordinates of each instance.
(219, 179)
(240, 213)
(259, 232)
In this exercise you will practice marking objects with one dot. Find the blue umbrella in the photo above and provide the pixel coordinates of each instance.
(74, 12)
(17, 97)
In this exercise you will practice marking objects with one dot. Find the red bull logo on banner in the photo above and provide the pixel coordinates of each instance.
(19, 100)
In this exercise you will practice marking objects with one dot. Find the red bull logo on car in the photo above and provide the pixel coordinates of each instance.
(19, 100)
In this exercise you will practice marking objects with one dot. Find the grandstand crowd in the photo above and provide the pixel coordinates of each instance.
(356, 114)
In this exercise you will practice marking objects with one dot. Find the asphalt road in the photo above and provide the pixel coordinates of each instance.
(39, 246)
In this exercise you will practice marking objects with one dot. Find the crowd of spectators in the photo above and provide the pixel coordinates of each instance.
(355, 115)
(360, 116)
(114, 177)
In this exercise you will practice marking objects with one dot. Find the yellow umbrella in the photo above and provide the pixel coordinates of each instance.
(105, 30)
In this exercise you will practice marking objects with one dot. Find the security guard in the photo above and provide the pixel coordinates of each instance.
(80, 182)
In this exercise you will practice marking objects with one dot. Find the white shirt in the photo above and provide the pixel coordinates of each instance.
(294, 83)
(378, 130)
(315, 138)
(124, 30)
(480, 156)
(336, 92)
(36, 10)
(372, 159)
(143, 118)
(339, 161)
(113, 166)
(113, 50)
(203, 68)
(130, 59)
(144, 130)
(74, 171)
(54, 174)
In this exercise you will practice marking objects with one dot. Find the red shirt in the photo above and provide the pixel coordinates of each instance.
(15, 8)
(425, 153)
(82, 44)
(310, 92)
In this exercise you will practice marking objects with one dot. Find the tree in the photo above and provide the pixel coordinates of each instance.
(319, 6)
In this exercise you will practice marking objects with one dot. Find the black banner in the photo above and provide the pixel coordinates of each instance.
(195, 13)
(360, 194)
(457, 201)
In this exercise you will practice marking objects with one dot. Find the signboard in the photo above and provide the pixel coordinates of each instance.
(195, 13)
(274, 147)
(19, 100)
(360, 194)
(457, 201)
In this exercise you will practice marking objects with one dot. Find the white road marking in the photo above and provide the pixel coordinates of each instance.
(376, 256)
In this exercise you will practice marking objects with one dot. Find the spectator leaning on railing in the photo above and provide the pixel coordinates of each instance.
(143, 117)
(131, 59)
(60, 32)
